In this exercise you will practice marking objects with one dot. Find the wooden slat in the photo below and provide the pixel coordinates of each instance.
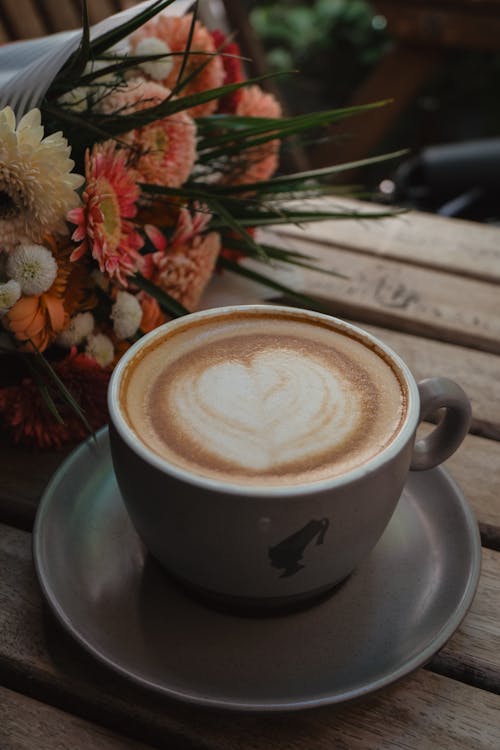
(399, 296)
(396, 79)
(477, 372)
(476, 469)
(424, 711)
(59, 15)
(4, 36)
(26, 723)
(24, 474)
(23, 19)
(100, 9)
(475, 25)
(452, 245)
(479, 634)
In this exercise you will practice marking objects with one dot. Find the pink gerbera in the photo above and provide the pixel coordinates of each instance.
(174, 31)
(104, 226)
(166, 148)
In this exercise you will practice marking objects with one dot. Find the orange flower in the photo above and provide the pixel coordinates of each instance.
(152, 314)
(174, 31)
(35, 321)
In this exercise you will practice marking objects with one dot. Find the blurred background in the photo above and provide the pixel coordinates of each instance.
(437, 61)
(439, 64)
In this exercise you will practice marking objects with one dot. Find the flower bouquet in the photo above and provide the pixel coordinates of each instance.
(141, 168)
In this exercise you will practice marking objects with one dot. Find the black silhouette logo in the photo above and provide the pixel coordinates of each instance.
(288, 553)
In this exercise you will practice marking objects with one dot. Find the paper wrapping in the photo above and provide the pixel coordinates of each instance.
(27, 68)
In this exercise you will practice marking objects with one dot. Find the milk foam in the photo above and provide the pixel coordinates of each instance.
(277, 408)
(263, 400)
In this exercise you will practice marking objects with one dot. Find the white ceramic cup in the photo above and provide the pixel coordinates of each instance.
(274, 546)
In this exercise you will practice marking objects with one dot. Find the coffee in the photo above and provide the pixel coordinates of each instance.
(258, 399)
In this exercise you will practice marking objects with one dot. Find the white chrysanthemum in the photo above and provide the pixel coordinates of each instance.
(80, 326)
(100, 347)
(126, 314)
(37, 187)
(33, 267)
(10, 291)
(76, 99)
(157, 69)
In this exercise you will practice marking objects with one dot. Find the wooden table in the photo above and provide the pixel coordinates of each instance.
(430, 288)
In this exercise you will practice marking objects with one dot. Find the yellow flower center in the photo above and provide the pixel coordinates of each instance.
(156, 142)
(110, 209)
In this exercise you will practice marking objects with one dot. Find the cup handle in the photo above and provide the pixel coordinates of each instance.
(437, 393)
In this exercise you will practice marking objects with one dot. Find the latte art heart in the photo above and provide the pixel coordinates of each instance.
(271, 400)
(278, 408)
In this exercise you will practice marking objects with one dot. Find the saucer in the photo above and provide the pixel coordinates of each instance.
(388, 618)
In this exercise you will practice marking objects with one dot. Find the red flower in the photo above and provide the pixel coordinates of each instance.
(233, 70)
(28, 418)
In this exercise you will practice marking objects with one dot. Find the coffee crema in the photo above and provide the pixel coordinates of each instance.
(262, 399)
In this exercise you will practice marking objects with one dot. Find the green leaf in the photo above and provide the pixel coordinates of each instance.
(65, 393)
(282, 255)
(285, 182)
(166, 302)
(120, 123)
(42, 387)
(263, 130)
(248, 273)
(230, 221)
(77, 62)
(187, 50)
(107, 40)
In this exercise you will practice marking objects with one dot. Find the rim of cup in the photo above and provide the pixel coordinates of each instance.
(286, 490)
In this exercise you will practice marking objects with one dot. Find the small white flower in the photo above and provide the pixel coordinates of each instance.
(10, 291)
(33, 267)
(100, 347)
(126, 314)
(94, 66)
(76, 99)
(80, 326)
(157, 69)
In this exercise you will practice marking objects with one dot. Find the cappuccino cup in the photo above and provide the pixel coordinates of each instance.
(261, 450)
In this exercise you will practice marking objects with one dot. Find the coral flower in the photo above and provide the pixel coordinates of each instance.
(185, 270)
(104, 226)
(174, 31)
(260, 162)
(166, 149)
(28, 419)
(37, 187)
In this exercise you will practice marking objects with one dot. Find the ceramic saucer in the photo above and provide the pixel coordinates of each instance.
(389, 617)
